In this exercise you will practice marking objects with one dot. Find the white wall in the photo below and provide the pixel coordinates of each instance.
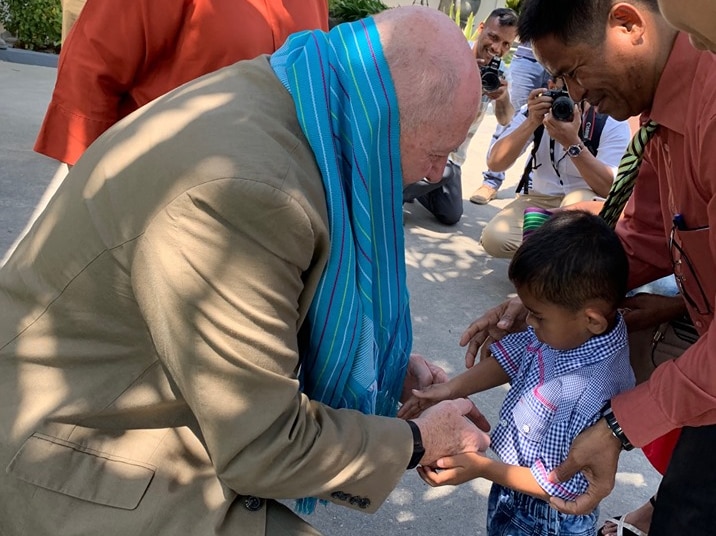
(486, 6)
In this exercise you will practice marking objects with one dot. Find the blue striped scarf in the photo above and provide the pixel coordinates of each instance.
(358, 327)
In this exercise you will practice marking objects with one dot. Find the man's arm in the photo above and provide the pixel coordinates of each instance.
(597, 171)
(515, 139)
(502, 103)
(98, 64)
(221, 287)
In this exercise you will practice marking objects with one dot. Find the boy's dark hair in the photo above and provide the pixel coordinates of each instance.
(504, 15)
(570, 21)
(573, 258)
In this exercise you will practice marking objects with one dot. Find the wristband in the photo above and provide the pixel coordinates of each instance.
(615, 427)
(418, 448)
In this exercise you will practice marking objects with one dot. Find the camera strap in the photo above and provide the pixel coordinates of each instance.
(590, 134)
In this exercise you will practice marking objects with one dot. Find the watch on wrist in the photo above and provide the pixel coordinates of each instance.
(575, 150)
(615, 427)
(418, 448)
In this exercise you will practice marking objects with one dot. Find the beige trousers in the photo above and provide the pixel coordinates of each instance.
(70, 11)
(503, 234)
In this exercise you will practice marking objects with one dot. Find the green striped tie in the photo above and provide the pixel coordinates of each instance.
(626, 175)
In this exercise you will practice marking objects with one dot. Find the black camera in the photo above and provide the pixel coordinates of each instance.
(491, 75)
(562, 104)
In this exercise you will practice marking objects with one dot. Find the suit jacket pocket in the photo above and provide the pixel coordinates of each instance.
(78, 471)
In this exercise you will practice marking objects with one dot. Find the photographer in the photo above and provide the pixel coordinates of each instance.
(496, 34)
(574, 158)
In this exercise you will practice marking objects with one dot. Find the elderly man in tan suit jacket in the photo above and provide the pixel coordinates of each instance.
(149, 320)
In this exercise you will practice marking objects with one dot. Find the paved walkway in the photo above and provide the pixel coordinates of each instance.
(451, 281)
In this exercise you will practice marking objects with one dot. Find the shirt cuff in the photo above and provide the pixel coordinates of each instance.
(640, 416)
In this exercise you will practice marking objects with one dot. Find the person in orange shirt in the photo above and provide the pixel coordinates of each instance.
(118, 57)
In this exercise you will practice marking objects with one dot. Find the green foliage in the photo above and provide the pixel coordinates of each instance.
(470, 28)
(515, 5)
(351, 10)
(37, 24)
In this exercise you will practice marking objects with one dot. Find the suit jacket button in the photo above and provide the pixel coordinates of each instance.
(364, 503)
(340, 495)
(253, 503)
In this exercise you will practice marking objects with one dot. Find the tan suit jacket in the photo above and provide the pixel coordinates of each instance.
(148, 332)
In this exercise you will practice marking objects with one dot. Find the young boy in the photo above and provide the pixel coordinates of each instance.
(573, 357)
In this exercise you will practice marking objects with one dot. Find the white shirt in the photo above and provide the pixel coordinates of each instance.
(546, 181)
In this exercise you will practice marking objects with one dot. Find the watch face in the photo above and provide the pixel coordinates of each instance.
(574, 150)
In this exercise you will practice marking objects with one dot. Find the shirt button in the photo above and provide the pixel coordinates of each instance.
(526, 428)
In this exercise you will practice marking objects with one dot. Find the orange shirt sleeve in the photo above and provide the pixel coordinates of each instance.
(104, 50)
(120, 56)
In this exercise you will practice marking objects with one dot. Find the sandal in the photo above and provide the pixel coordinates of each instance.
(623, 527)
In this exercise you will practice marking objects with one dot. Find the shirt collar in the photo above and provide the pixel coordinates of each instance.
(674, 85)
(593, 351)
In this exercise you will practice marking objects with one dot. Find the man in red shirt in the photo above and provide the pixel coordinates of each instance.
(627, 60)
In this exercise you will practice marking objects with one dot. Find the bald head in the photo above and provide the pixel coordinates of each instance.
(434, 72)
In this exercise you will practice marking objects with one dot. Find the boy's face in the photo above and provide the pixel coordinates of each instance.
(555, 325)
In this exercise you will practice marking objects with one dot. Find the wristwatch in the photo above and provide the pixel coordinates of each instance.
(615, 427)
(418, 448)
(575, 150)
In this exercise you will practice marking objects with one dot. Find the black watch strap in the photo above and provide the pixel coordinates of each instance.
(615, 427)
(418, 449)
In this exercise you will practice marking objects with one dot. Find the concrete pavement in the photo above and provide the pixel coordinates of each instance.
(451, 281)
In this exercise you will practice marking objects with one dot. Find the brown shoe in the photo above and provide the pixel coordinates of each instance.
(483, 195)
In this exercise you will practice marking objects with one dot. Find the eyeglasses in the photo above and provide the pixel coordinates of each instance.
(684, 272)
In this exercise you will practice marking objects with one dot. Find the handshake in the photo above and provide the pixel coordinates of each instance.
(451, 428)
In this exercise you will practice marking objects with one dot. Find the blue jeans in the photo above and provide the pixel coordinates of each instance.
(526, 75)
(510, 513)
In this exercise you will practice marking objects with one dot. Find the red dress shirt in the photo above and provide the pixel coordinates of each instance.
(678, 177)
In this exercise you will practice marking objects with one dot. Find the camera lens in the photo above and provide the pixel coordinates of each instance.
(563, 108)
(490, 81)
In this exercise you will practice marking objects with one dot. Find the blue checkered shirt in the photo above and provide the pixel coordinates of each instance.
(554, 395)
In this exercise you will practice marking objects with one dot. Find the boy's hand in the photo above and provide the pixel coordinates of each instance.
(453, 470)
(421, 373)
(422, 400)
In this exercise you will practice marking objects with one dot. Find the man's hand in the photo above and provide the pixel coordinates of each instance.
(420, 375)
(453, 470)
(505, 318)
(446, 431)
(538, 106)
(423, 399)
(501, 93)
(565, 133)
(643, 310)
(595, 452)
